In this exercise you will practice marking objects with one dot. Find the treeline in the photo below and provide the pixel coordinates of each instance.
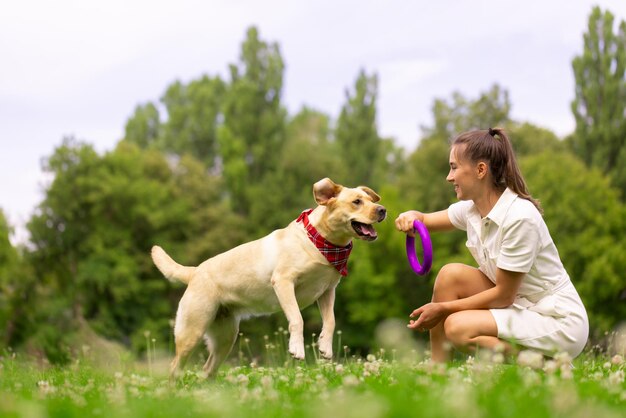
(216, 162)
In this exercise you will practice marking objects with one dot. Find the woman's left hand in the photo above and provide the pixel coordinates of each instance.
(429, 316)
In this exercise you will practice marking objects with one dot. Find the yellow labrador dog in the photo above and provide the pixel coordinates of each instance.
(288, 269)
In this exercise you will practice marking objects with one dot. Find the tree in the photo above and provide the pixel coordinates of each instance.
(529, 139)
(93, 232)
(10, 286)
(307, 155)
(599, 105)
(491, 109)
(194, 116)
(252, 134)
(357, 134)
(144, 127)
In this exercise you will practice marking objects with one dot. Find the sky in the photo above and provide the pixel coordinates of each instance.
(79, 68)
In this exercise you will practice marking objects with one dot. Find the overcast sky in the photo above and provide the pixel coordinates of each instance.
(80, 67)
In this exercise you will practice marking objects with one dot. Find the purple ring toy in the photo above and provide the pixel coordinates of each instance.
(427, 246)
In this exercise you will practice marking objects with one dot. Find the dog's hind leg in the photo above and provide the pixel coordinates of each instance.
(193, 316)
(220, 339)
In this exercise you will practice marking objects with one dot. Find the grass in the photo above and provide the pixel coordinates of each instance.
(388, 384)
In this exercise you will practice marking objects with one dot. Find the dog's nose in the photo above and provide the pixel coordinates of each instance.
(381, 212)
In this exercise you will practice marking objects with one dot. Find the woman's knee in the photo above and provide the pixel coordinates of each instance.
(448, 277)
(456, 281)
(457, 330)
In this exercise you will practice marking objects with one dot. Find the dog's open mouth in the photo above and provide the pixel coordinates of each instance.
(364, 231)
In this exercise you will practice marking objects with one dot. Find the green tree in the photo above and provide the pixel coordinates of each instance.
(599, 105)
(308, 155)
(357, 133)
(93, 233)
(144, 127)
(461, 114)
(194, 116)
(10, 286)
(252, 134)
(529, 139)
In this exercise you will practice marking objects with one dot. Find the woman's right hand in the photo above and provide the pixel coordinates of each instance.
(404, 221)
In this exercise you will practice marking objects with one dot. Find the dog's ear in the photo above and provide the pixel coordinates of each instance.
(324, 190)
(371, 193)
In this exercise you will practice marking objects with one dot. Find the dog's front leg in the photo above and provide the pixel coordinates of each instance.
(285, 292)
(326, 303)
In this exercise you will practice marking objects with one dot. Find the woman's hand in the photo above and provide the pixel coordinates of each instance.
(429, 316)
(404, 221)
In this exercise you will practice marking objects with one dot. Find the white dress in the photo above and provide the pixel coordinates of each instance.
(548, 314)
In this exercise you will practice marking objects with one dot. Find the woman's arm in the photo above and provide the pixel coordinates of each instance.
(436, 221)
(500, 296)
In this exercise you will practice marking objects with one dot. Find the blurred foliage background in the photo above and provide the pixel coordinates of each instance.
(217, 162)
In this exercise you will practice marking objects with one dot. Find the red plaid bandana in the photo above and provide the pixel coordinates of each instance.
(337, 256)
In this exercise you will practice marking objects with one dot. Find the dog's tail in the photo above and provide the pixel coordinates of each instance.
(170, 268)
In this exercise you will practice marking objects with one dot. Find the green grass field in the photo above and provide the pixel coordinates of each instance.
(376, 386)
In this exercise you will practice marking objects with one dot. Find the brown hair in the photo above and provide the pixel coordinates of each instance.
(494, 147)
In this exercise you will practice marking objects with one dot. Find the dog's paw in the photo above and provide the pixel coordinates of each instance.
(325, 346)
(326, 353)
(296, 350)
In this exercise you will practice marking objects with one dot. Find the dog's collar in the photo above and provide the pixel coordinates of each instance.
(336, 256)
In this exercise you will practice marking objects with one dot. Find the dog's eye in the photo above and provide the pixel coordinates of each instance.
(357, 202)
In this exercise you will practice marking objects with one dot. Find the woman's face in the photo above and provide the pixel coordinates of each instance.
(462, 175)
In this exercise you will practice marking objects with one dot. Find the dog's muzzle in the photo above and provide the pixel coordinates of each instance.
(382, 213)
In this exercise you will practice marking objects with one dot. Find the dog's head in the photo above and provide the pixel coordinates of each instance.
(350, 212)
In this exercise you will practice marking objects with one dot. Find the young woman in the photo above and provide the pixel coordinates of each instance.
(520, 292)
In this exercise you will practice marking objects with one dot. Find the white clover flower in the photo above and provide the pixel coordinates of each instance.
(339, 368)
(563, 358)
(499, 348)
(350, 380)
(371, 358)
(45, 387)
(267, 382)
(372, 368)
(566, 371)
(530, 358)
(550, 367)
(617, 359)
(243, 380)
(616, 378)
(498, 358)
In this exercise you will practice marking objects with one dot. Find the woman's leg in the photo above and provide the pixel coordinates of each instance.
(467, 330)
(454, 281)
